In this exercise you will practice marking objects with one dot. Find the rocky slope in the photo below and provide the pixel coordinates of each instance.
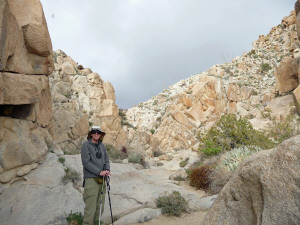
(250, 85)
(80, 98)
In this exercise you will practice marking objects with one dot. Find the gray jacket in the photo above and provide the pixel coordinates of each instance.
(92, 166)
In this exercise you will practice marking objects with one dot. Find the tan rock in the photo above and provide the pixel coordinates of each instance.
(1, 90)
(21, 143)
(195, 112)
(81, 127)
(109, 91)
(287, 74)
(262, 189)
(7, 176)
(233, 92)
(297, 98)
(232, 108)
(289, 20)
(22, 89)
(37, 43)
(183, 119)
(11, 42)
(26, 169)
(67, 68)
(108, 108)
(80, 84)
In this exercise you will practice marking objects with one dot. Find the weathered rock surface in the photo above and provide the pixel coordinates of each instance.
(133, 194)
(287, 74)
(25, 41)
(82, 99)
(264, 189)
(21, 143)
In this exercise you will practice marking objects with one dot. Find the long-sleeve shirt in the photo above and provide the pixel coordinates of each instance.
(92, 166)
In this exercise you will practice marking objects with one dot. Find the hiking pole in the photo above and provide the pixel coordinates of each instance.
(101, 196)
(108, 192)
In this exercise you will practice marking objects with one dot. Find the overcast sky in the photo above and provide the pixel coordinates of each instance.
(144, 46)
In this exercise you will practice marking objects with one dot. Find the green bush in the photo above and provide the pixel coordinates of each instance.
(134, 157)
(231, 132)
(282, 130)
(199, 177)
(75, 218)
(71, 175)
(61, 160)
(152, 131)
(265, 67)
(173, 204)
(184, 162)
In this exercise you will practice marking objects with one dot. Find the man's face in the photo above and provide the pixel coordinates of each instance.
(96, 135)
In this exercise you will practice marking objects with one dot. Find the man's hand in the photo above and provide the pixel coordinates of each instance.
(105, 173)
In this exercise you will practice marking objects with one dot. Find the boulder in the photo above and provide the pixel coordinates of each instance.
(25, 41)
(22, 143)
(19, 89)
(264, 189)
(139, 216)
(297, 98)
(287, 74)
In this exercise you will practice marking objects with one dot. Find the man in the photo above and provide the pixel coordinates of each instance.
(95, 167)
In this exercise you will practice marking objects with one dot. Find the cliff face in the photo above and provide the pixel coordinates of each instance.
(81, 99)
(25, 100)
(251, 85)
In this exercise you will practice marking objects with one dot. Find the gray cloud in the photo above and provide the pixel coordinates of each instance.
(144, 46)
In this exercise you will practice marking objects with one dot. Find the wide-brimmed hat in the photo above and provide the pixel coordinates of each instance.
(93, 128)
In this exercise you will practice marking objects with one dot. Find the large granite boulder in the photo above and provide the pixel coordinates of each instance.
(264, 190)
(22, 143)
(287, 74)
(24, 38)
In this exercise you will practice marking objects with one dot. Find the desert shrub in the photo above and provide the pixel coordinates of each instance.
(282, 130)
(152, 131)
(230, 160)
(157, 153)
(199, 177)
(265, 67)
(184, 162)
(135, 157)
(173, 204)
(179, 178)
(75, 218)
(115, 154)
(232, 132)
(61, 160)
(71, 175)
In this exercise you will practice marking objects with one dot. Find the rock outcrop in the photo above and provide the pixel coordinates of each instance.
(264, 189)
(26, 60)
(174, 118)
(81, 99)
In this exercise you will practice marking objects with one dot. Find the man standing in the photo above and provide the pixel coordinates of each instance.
(95, 167)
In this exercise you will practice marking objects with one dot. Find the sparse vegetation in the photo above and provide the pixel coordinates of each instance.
(61, 160)
(173, 204)
(75, 218)
(200, 177)
(71, 175)
(135, 157)
(265, 67)
(232, 132)
(184, 162)
(230, 160)
(152, 131)
(114, 154)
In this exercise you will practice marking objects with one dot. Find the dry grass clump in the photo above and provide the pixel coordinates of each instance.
(200, 177)
(173, 204)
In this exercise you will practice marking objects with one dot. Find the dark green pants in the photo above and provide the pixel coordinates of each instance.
(92, 198)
